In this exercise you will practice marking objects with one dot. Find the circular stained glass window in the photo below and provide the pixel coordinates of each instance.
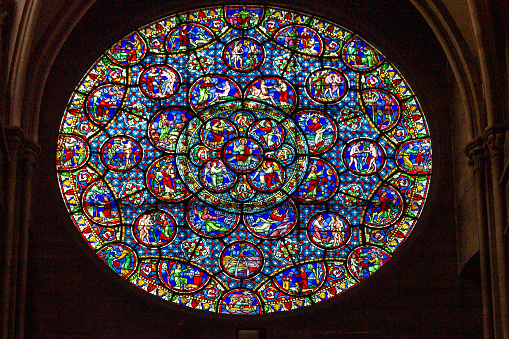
(244, 159)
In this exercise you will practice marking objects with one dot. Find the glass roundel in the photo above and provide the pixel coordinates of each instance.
(244, 159)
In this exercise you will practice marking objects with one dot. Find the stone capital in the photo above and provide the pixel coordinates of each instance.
(494, 138)
(475, 152)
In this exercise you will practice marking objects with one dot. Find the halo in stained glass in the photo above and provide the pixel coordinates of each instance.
(244, 159)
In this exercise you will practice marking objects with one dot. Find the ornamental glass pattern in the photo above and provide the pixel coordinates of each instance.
(244, 159)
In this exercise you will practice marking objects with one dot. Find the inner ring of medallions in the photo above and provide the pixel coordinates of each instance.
(243, 154)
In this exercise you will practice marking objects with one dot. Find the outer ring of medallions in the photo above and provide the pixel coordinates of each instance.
(283, 132)
(397, 155)
(278, 109)
(160, 276)
(176, 171)
(247, 70)
(202, 127)
(202, 182)
(87, 149)
(175, 72)
(395, 220)
(127, 64)
(119, 137)
(237, 290)
(290, 229)
(296, 266)
(282, 182)
(242, 242)
(85, 210)
(324, 102)
(276, 35)
(350, 143)
(365, 105)
(308, 231)
(188, 220)
(167, 215)
(120, 244)
(157, 114)
(259, 19)
(187, 50)
(89, 114)
(227, 164)
(355, 68)
(356, 249)
(325, 116)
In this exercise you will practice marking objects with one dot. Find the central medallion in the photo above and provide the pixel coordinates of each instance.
(246, 164)
(243, 155)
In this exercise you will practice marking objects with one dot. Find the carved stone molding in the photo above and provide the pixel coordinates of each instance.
(494, 139)
(475, 152)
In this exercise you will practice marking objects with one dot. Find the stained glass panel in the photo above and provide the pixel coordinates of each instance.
(244, 159)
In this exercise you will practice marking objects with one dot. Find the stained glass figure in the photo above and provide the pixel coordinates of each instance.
(244, 159)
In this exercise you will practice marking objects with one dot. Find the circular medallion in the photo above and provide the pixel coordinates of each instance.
(241, 260)
(129, 50)
(269, 133)
(240, 302)
(164, 182)
(326, 86)
(243, 155)
(216, 176)
(72, 152)
(320, 130)
(104, 102)
(269, 177)
(208, 221)
(181, 277)
(121, 153)
(383, 108)
(274, 223)
(154, 228)
(243, 55)
(165, 127)
(300, 38)
(159, 82)
(216, 132)
(328, 230)
(363, 157)
(320, 184)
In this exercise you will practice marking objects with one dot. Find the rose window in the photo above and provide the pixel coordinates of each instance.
(244, 159)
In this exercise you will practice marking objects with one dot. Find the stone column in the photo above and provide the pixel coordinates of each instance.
(494, 137)
(475, 152)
